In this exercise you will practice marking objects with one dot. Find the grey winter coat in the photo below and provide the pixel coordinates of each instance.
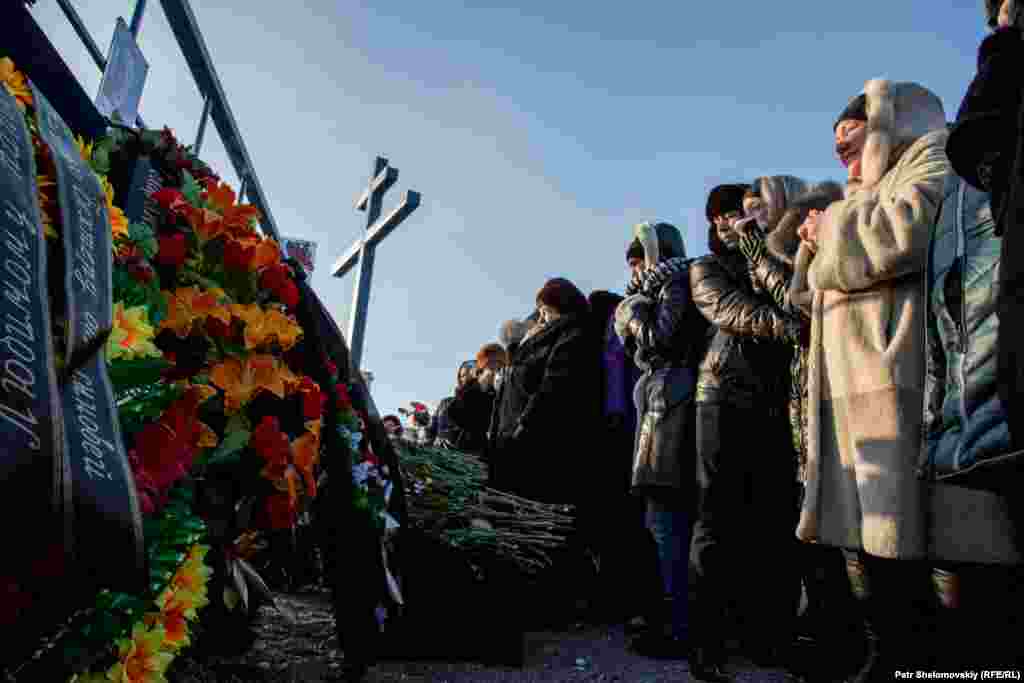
(966, 437)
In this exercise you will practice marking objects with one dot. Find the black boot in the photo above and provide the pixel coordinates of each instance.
(706, 666)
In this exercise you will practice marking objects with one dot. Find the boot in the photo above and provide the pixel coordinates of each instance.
(707, 667)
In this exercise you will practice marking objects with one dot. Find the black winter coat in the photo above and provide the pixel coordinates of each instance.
(470, 412)
(670, 344)
(550, 389)
(744, 365)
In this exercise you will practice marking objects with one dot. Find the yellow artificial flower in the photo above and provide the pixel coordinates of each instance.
(263, 327)
(84, 148)
(46, 190)
(193, 575)
(118, 221)
(242, 379)
(142, 657)
(132, 335)
(15, 82)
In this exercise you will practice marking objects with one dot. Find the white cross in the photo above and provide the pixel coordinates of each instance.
(361, 253)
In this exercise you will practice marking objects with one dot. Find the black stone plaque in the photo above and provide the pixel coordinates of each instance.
(109, 544)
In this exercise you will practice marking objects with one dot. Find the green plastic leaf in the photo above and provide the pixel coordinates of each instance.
(230, 447)
(125, 374)
(191, 189)
(143, 235)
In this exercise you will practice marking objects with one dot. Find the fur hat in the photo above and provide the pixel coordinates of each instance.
(512, 332)
(898, 114)
(784, 241)
(777, 192)
(563, 296)
(856, 110)
(491, 355)
(725, 198)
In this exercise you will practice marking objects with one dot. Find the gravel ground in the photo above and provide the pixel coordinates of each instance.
(298, 644)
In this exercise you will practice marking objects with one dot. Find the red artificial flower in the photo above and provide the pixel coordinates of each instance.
(332, 369)
(272, 444)
(141, 271)
(281, 513)
(277, 279)
(236, 256)
(171, 200)
(341, 391)
(167, 447)
(312, 399)
(173, 250)
(13, 601)
(218, 329)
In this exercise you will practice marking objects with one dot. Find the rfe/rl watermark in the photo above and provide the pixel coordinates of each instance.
(975, 675)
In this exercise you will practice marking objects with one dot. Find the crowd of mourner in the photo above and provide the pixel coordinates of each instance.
(809, 432)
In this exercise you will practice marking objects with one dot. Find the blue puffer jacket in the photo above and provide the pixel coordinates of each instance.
(965, 422)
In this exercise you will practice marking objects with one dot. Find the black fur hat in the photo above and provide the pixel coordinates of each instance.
(725, 198)
(856, 110)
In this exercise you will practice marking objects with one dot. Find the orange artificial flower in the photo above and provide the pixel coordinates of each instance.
(241, 379)
(15, 82)
(237, 218)
(206, 224)
(263, 327)
(187, 305)
(306, 454)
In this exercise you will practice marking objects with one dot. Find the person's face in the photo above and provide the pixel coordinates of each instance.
(850, 137)
(1006, 12)
(724, 228)
(392, 426)
(636, 264)
(465, 374)
(548, 314)
(756, 208)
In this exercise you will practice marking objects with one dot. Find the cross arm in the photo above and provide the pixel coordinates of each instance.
(383, 227)
(348, 260)
(376, 232)
(381, 184)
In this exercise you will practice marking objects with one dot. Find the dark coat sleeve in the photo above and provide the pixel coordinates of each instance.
(768, 271)
(731, 307)
(655, 336)
(561, 379)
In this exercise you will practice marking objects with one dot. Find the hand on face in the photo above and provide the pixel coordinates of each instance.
(808, 230)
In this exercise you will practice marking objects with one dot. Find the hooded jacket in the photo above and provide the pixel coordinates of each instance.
(966, 438)
(774, 267)
(668, 335)
(866, 357)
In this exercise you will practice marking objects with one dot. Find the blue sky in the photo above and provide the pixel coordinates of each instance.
(536, 135)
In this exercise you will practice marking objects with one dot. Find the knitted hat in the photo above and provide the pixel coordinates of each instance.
(491, 356)
(563, 296)
(725, 198)
(634, 250)
(856, 110)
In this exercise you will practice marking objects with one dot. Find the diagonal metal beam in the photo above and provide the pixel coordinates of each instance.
(377, 232)
(83, 34)
(190, 39)
(382, 183)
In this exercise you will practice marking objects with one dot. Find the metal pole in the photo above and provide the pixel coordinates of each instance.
(140, 9)
(364, 275)
(207, 104)
(242, 187)
(83, 34)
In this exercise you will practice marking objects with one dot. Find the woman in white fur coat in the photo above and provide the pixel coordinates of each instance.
(866, 362)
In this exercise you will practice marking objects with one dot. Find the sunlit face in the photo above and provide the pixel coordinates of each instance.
(636, 264)
(465, 374)
(724, 228)
(1006, 12)
(850, 137)
(756, 208)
